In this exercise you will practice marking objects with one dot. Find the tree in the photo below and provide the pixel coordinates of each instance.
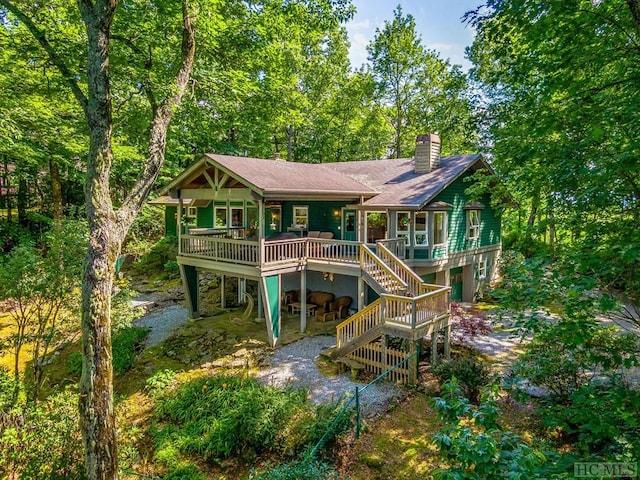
(108, 225)
(561, 80)
(422, 92)
(39, 287)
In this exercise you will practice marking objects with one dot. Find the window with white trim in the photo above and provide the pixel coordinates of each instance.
(402, 224)
(301, 216)
(439, 228)
(481, 269)
(473, 224)
(421, 232)
(220, 217)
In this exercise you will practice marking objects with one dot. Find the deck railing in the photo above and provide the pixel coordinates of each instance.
(380, 271)
(397, 246)
(342, 251)
(415, 312)
(283, 251)
(360, 323)
(243, 252)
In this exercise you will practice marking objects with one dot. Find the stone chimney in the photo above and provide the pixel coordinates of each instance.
(427, 156)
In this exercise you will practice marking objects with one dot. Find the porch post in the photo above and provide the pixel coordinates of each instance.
(361, 291)
(191, 283)
(179, 226)
(242, 290)
(260, 311)
(261, 220)
(303, 301)
(447, 340)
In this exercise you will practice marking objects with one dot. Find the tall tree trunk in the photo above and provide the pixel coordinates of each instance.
(56, 190)
(107, 226)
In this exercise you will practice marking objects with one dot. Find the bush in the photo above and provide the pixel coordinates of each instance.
(126, 344)
(475, 447)
(221, 416)
(42, 440)
(184, 472)
(613, 433)
(568, 355)
(159, 382)
(159, 253)
(471, 375)
(301, 469)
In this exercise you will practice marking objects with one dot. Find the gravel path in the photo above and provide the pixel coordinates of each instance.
(162, 323)
(295, 365)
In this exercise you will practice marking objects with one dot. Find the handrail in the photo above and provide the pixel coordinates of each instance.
(344, 251)
(371, 263)
(359, 323)
(220, 249)
(411, 278)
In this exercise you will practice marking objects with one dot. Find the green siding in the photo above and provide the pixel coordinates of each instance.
(429, 278)
(204, 217)
(321, 215)
(170, 221)
(455, 195)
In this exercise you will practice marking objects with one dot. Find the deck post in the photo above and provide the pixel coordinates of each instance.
(242, 290)
(303, 301)
(361, 292)
(412, 366)
(191, 284)
(434, 348)
(223, 300)
(447, 339)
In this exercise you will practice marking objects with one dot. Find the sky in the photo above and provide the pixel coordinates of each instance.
(438, 22)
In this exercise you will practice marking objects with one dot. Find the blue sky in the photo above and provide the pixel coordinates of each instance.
(438, 22)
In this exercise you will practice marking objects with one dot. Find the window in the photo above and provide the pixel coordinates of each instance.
(237, 217)
(376, 226)
(190, 212)
(350, 223)
(473, 224)
(220, 217)
(301, 216)
(439, 228)
(421, 234)
(402, 224)
(481, 270)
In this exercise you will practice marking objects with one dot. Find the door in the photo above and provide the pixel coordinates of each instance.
(349, 225)
(456, 284)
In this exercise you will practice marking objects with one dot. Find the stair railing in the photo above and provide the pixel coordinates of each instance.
(377, 269)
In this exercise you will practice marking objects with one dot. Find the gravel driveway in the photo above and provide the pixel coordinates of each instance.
(295, 365)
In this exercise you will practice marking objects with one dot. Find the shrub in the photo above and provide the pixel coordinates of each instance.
(125, 345)
(471, 375)
(221, 416)
(159, 382)
(475, 447)
(302, 469)
(567, 355)
(42, 440)
(184, 472)
(468, 322)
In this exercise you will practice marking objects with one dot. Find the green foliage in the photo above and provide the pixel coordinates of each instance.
(221, 416)
(126, 343)
(42, 440)
(159, 382)
(304, 468)
(123, 313)
(475, 446)
(74, 364)
(7, 389)
(471, 375)
(158, 254)
(184, 472)
(566, 355)
(613, 434)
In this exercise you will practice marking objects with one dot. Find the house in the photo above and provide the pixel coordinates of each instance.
(399, 236)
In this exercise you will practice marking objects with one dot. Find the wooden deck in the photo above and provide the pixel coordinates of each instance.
(268, 254)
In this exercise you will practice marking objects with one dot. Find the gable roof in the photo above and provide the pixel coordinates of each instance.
(383, 183)
(398, 184)
(273, 178)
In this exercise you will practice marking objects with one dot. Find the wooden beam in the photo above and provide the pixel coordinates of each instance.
(233, 194)
(209, 179)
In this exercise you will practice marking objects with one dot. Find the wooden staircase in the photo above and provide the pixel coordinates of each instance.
(407, 307)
